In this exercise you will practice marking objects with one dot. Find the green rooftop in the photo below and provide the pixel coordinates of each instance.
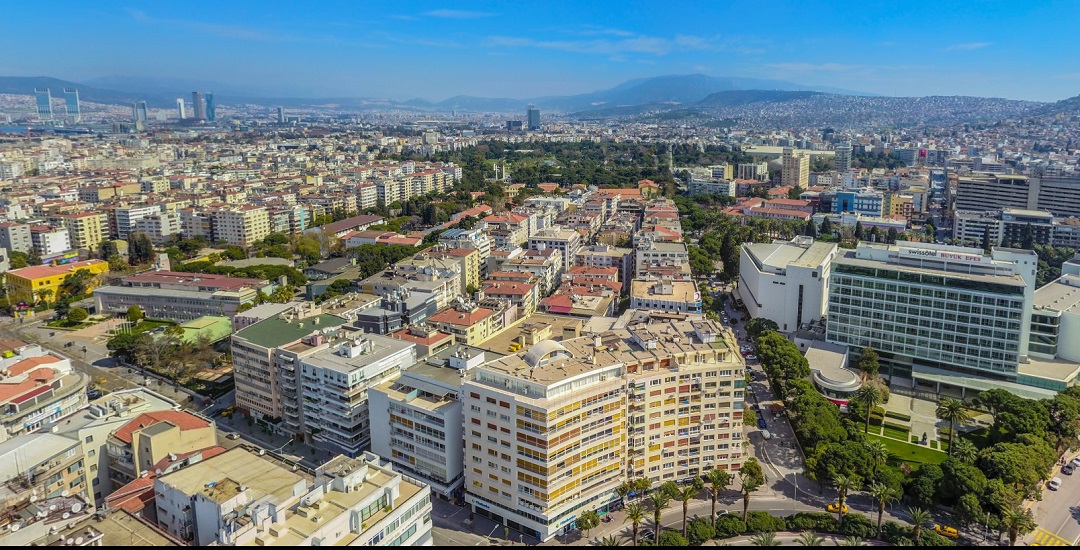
(276, 332)
(213, 327)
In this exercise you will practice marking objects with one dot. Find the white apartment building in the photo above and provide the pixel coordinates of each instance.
(602, 255)
(242, 226)
(651, 254)
(49, 241)
(475, 238)
(796, 168)
(161, 228)
(239, 498)
(15, 237)
(552, 431)
(786, 282)
(938, 314)
(665, 295)
(128, 216)
(566, 241)
(753, 171)
(416, 419)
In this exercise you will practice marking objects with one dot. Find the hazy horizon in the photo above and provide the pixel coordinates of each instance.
(435, 51)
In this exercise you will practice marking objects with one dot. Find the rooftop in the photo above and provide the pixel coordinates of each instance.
(1061, 294)
(275, 331)
(194, 280)
(41, 271)
(238, 467)
(180, 419)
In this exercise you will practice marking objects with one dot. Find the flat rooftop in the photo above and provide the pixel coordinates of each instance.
(381, 348)
(847, 257)
(276, 332)
(1061, 294)
(232, 469)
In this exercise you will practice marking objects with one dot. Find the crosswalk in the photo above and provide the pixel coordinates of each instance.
(1046, 538)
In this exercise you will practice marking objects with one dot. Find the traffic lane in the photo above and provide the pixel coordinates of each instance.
(1059, 511)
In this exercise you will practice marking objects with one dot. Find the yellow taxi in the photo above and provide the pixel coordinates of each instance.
(835, 507)
(946, 531)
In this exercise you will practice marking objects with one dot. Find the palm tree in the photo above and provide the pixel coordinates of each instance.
(809, 539)
(870, 396)
(764, 539)
(635, 514)
(641, 486)
(843, 485)
(1017, 522)
(964, 450)
(686, 494)
(879, 453)
(952, 411)
(718, 481)
(624, 489)
(919, 517)
(659, 501)
(852, 541)
(882, 495)
(752, 477)
(610, 540)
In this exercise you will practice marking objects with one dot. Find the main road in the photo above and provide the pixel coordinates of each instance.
(1058, 514)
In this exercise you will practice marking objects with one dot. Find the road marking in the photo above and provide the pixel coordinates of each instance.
(1046, 538)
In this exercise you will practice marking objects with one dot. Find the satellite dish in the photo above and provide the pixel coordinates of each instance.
(15, 527)
(78, 541)
(33, 498)
(52, 507)
(65, 515)
(76, 508)
(65, 493)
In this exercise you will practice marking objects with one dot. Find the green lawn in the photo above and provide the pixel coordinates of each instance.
(895, 433)
(145, 325)
(66, 324)
(906, 452)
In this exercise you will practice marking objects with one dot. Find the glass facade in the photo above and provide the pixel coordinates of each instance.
(934, 318)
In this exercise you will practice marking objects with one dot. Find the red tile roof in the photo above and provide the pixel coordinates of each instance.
(452, 316)
(180, 419)
(39, 271)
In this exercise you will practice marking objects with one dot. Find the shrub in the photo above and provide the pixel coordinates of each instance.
(894, 533)
(672, 538)
(77, 315)
(902, 427)
(729, 525)
(812, 521)
(929, 537)
(699, 530)
(858, 525)
(762, 522)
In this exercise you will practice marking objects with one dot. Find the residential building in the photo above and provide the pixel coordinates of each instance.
(753, 171)
(566, 241)
(45, 467)
(665, 295)
(242, 499)
(42, 282)
(796, 168)
(469, 323)
(551, 432)
(242, 226)
(136, 447)
(86, 230)
(50, 241)
(651, 254)
(994, 191)
(469, 258)
(36, 387)
(524, 296)
(160, 228)
(608, 256)
(475, 239)
(546, 265)
(712, 186)
(180, 296)
(128, 216)
(417, 418)
(937, 314)
(15, 237)
(786, 282)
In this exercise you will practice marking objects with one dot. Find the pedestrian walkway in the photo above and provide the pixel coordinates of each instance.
(1045, 538)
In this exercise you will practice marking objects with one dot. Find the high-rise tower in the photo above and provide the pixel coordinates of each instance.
(211, 107)
(44, 103)
(180, 108)
(71, 104)
(281, 115)
(532, 115)
(139, 112)
(200, 109)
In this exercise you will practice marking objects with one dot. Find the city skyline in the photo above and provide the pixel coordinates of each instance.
(530, 50)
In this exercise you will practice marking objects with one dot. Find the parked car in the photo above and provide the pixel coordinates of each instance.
(1054, 484)
(946, 531)
(1075, 462)
(233, 435)
(93, 394)
(752, 357)
(765, 434)
(646, 534)
(1068, 469)
(835, 507)
(761, 423)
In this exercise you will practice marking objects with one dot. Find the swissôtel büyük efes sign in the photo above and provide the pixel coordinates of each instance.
(941, 255)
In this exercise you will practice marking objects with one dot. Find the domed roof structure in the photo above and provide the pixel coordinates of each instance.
(539, 354)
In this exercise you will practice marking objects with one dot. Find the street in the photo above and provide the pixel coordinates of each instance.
(1058, 514)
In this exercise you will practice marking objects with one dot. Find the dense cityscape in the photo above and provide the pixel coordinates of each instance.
(682, 311)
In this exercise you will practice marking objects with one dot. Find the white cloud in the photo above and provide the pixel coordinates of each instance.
(968, 46)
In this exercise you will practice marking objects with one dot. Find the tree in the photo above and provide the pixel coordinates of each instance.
(869, 363)
(587, 521)
(969, 509)
(671, 538)
(686, 494)
(700, 531)
(1017, 522)
(77, 315)
(922, 489)
(879, 453)
(758, 325)
(809, 539)
(635, 514)
(986, 239)
(135, 314)
(659, 501)
(827, 227)
(891, 236)
(844, 484)
(859, 233)
(624, 489)
(764, 539)
(852, 541)
(610, 540)
(965, 451)
(140, 249)
(810, 230)
(882, 494)
(870, 396)
(752, 477)
(919, 518)
(718, 481)
(952, 411)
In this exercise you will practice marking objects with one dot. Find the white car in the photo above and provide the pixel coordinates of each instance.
(765, 434)
(1054, 484)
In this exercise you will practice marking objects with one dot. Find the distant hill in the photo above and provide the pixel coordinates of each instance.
(1070, 106)
(24, 85)
(735, 98)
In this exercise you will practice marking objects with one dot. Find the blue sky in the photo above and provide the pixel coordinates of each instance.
(435, 50)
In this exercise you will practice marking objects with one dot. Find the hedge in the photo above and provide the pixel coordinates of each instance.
(902, 427)
(764, 522)
(811, 521)
(898, 416)
(729, 525)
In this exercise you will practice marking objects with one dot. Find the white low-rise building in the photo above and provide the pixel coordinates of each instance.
(786, 282)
